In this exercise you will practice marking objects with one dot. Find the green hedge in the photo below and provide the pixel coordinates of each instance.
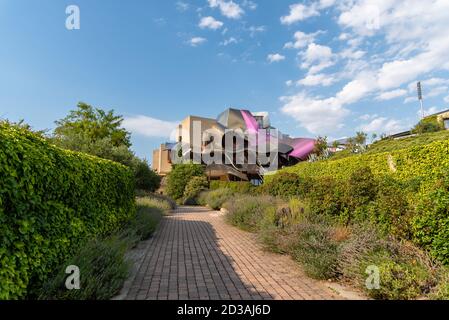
(427, 163)
(408, 191)
(51, 202)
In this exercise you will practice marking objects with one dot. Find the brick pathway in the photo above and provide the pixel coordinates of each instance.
(196, 255)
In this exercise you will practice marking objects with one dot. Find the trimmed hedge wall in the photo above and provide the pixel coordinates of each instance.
(410, 191)
(428, 163)
(51, 202)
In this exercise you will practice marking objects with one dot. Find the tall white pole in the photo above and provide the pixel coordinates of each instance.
(422, 109)
(419, 87)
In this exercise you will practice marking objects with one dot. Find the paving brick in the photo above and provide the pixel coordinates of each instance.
(195, 254)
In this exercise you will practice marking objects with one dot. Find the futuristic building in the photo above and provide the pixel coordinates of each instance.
(236, 146)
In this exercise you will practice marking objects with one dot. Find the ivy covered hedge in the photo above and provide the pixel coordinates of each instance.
(51, 202)
(405, 191)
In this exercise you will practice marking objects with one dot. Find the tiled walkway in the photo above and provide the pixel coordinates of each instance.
(196, 255)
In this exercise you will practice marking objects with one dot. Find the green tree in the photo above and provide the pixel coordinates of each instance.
(180, 176)
(99, 133)
(94, 131)
(146, 179)
(320, 146)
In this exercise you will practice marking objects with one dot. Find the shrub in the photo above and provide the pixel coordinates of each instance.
(286, 185)
(431, 223)
(103, 270)
(239, 187)
(316, 250)
(429, 124)
(391, 210)
(180, 176)
(193, 189)
(102, 263)
(147, 218)
(146, 179)
(51, 202)
(216, 198)
(247, 212)
(157, 200)
(441, 291)
(327, 196)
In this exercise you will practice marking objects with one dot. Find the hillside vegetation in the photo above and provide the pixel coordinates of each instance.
(388, 145)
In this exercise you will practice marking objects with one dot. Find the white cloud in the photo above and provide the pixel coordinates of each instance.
(317, 80)
(253, 30)
(384, 125)
(299, 12)
(392, 94)
(289, 83)
(275, 57)
(182, 6)
(302, 40)
(149, 127)
(318, 116)
(446, 99)
(411, 99)
(229, 9)
(196, 41)
(229, 41)
(438, 91)
(326, 4)
(249, 4)
(210, 23)
(430, 111)
(317, 58)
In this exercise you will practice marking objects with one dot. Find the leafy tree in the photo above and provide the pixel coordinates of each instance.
(180, 176)
(94, 123)
(146, 179)
(99, 133)
(94, 131)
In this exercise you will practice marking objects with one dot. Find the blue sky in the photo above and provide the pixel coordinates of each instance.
(319, 67)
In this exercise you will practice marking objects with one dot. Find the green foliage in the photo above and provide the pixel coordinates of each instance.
(429, 124)
(388, 145)
(355, 187)
(146, 179)
(247, 212)
(156, 200)
(193, 189)
(102, 262)
(441, 291)
(286, 185)
(239, 187)
(148, 215)
(103, 270)
(94, 123)
(215, 198)
(51, 202)
(179, 177)
(431, 224)
(399, 280)
(316, 250)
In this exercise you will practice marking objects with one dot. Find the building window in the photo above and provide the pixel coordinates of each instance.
(446, 123)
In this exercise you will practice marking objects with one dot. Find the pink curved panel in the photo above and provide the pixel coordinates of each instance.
(302, 148)
(251, 123)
